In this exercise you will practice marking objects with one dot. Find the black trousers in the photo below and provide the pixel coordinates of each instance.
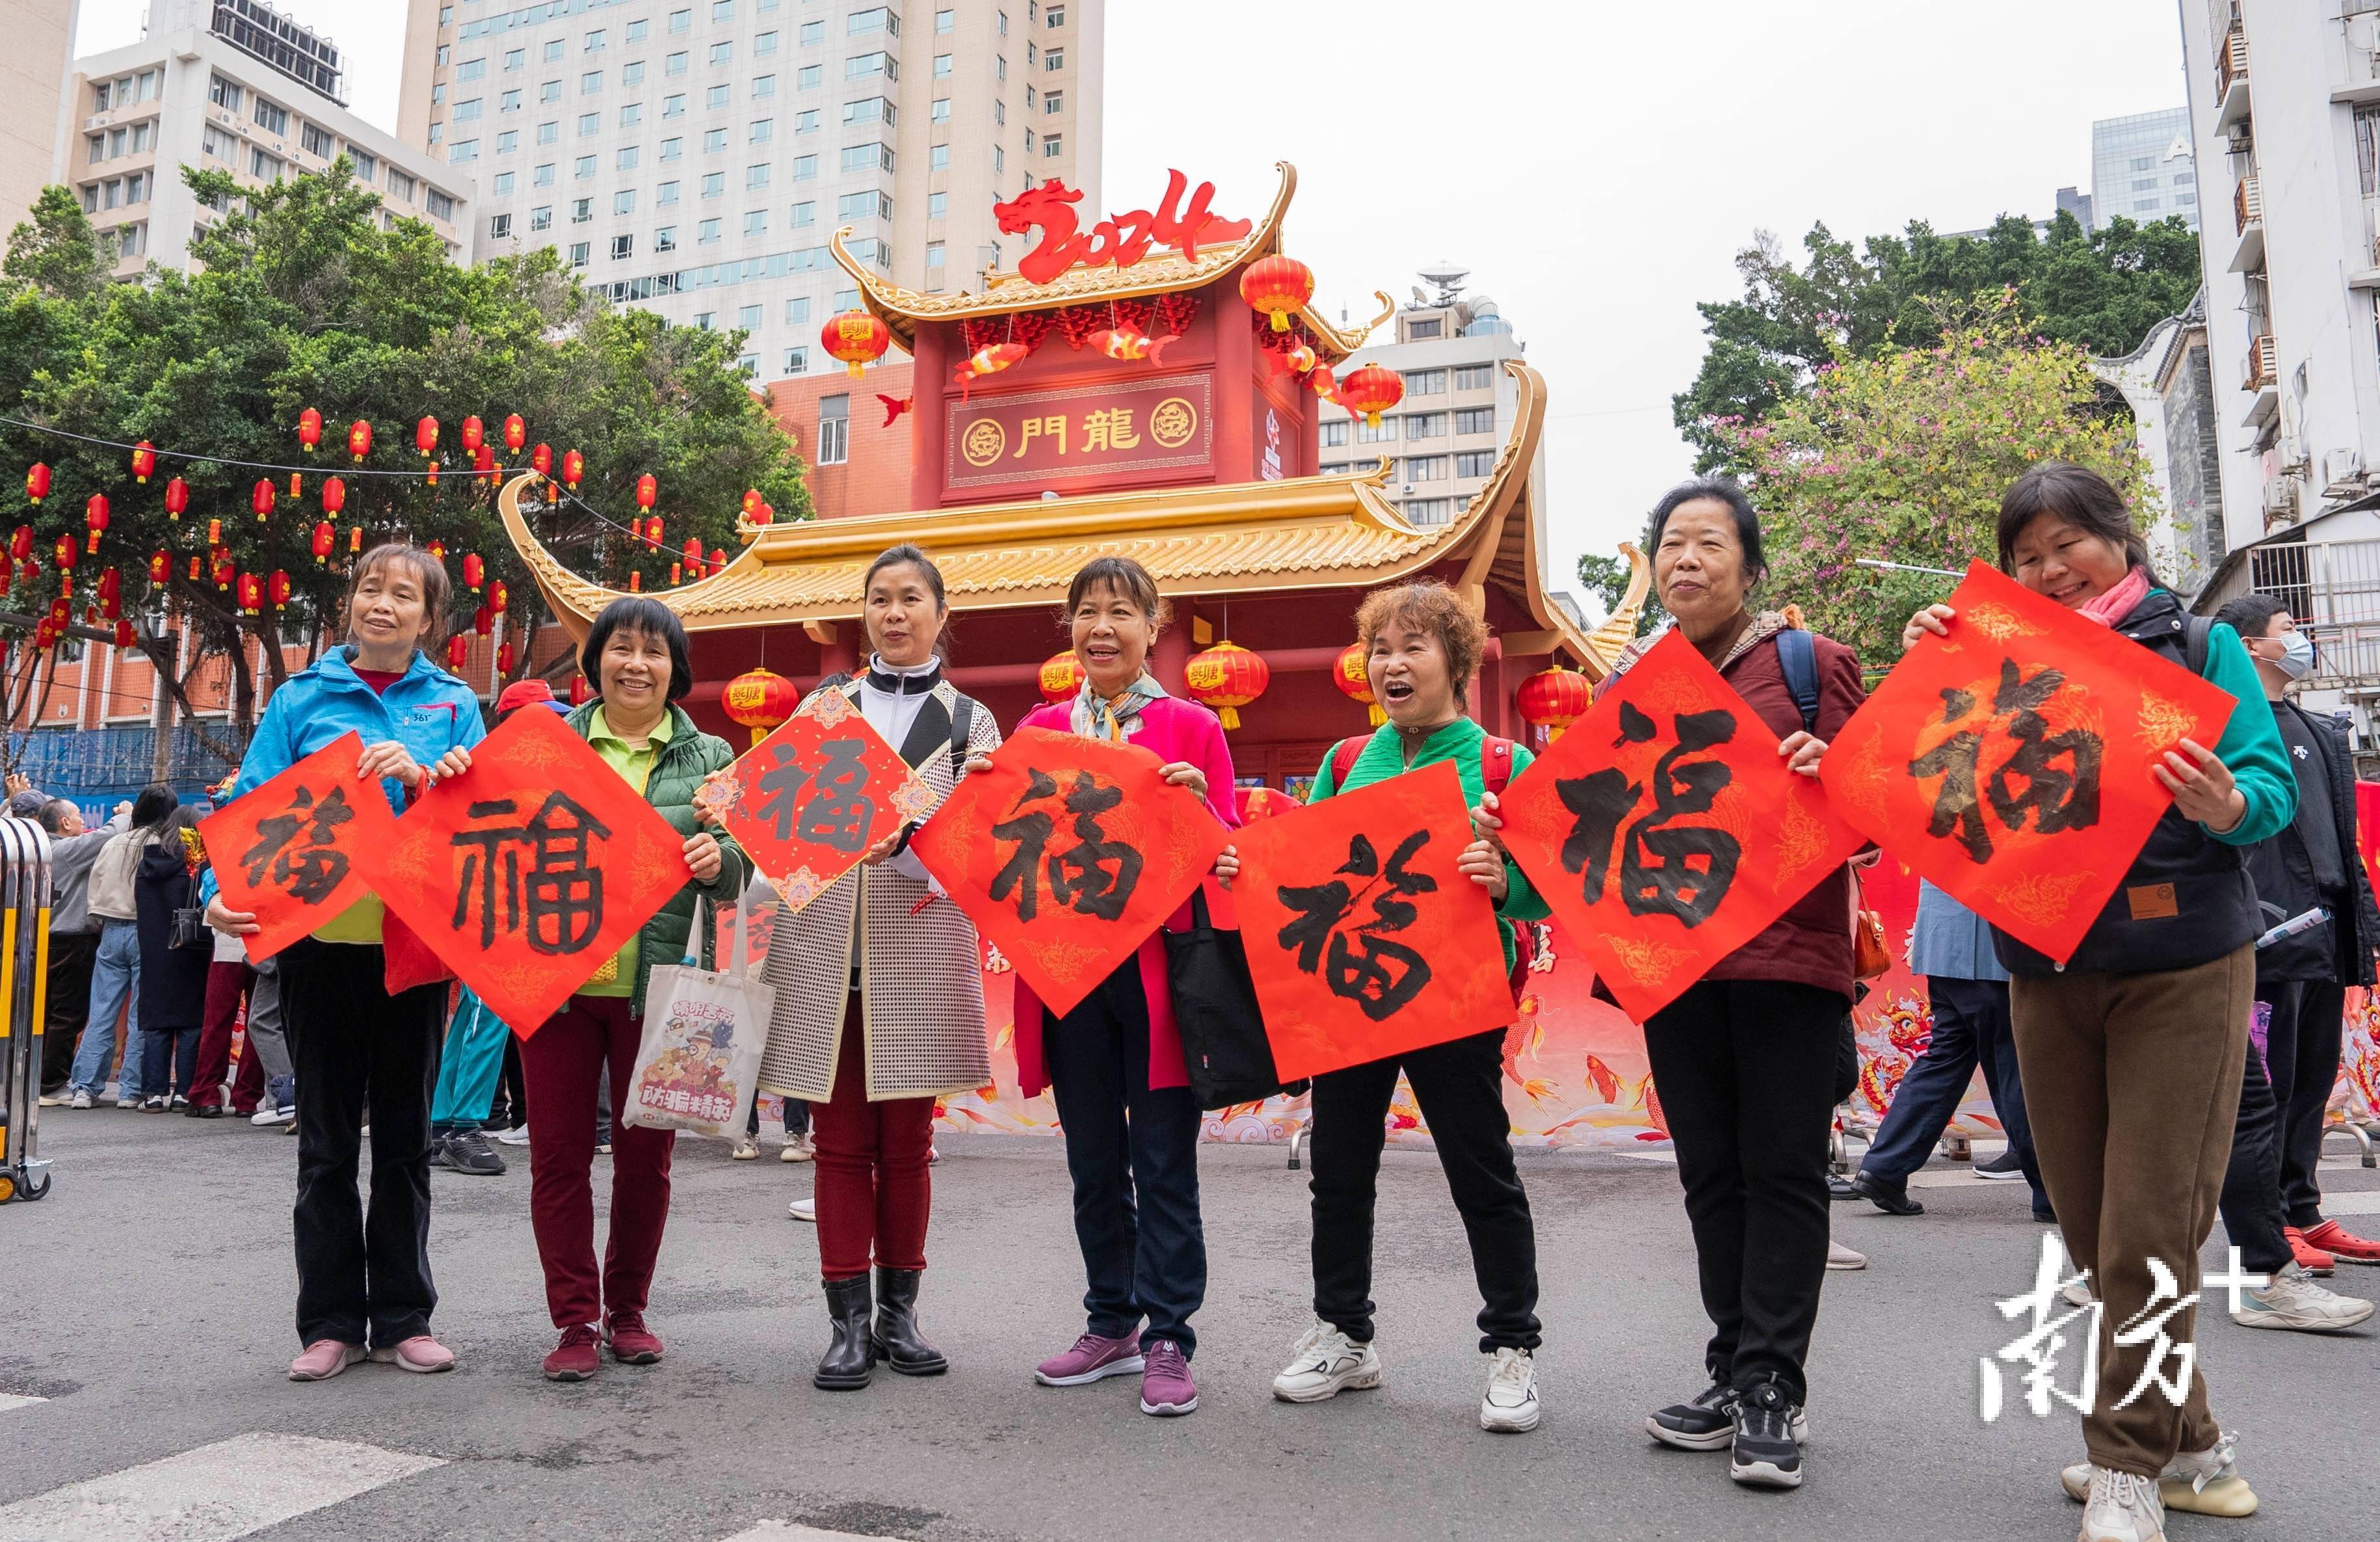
(361, 1277)
(1460, 1088)
(1744, 1069)
(1970, 1027)
(1133, 1153)
(2302, 1058)
(2250, 1201)
(168, 1054)
(71, 956)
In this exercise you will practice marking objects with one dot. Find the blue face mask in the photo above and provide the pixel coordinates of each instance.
(2297, 655)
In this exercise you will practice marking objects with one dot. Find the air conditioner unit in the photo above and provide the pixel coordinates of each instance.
(2342, 473)
(2280, 500)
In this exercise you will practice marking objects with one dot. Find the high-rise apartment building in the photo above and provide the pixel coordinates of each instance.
(229, 85)
(2144, 168)
(694, 156)
(1442, 439)
(32, 81)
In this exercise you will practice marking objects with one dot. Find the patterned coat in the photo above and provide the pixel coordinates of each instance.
(921, 977)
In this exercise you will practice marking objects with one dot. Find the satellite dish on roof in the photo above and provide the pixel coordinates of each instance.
(1446, 279)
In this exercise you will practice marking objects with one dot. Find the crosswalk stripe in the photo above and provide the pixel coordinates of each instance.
(11, 1400)
(785, 1531)
(211, 1493)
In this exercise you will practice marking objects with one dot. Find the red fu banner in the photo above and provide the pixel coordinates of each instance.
(530, 869)
(1067, 854)
(1665, 829)
(1362, 938)
(293, 851)
(807, 801)
(2008, 761)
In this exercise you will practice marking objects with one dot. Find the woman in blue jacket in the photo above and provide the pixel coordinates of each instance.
(363, 1281)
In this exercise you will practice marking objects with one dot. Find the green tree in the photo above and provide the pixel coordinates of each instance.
(56, 252)
(2101, 291)
(1607, 578)
(1903, 455)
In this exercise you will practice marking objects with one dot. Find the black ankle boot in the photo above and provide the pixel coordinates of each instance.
(850, 1356)
(897, 1342)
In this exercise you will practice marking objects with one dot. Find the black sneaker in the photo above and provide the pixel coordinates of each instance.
(468, 1152)
(1839, 1188)
(1891, 1196)
(1706, 1424)
(1769, 1434)
(438, 1139)
(2005, 1165)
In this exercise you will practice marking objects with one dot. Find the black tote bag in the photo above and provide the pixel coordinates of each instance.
(1215, 1010)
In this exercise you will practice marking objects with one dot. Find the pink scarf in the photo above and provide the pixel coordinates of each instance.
(2118, 602)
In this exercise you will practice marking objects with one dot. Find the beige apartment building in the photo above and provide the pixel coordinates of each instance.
(694, 156)
(40, 36)
(232, 85)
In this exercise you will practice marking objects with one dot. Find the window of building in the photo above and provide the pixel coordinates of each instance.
(1000, 67)
(939, 158)
(590, 82)
(636, 31)
(98, 96)
(872, 109)
(99, 148)
(665, 239)
(721, 52)
(1052, 59)
(579, 253)
(582, 168)
(549, 132)
(552, 50)
(1425, 382)
(437, 133)
(802, 167)
(1053, 145)
(366, 165)
(756, 176)
(748, 365)
(438, 93)
(224, 93)
(1334, 432)
(466, 112)
(748, 318)
(1057, 17)
(400, 184)
(809, 76)
(813, 31)
(680, 20)
(632, 115)
(621, 247)
(472, 69)
(804, 215)
(666, 194)
(1428, 511)
(1000, 113)
(714, 183)
(500, 227)
(714, 98)
(846, 299)
(999, 160)
(510, 102)
(633, 74)
(1003, 22)
(595, 41)
(865, 157)
(581, 210)
(1473, 377)
(713, 140)
(934, 254)
(267, 168)
(1475, 419)
(946, 21)
(674, 106)
(706, 233)
(937, 205)
(590, 123)
(132, 240)
(673, 148)
(1424, 425)
(542, 177)
(862, 206)
(505, 180)
(860, 65)
(941, 113)
(675, 63)
(624, 202)
(1473, 463)
(1385, 434)
(1053, 102)
(806, 121)
(271, 116)
(835, 429)
(722, 10)
(515, 58)
(797, 360)
(2367, 149)
(214, 142)
(705, 320)
(541, 217)
(798, 310)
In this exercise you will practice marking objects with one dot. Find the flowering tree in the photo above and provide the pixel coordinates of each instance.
(1903, 455)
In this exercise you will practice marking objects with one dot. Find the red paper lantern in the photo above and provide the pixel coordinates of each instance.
(483, 465)
(767, 513)
(20, 545)
(484, 621)
(855, 337)
(144, 460)
(473, 571)
(646, 490)
(226, 570)
(1353, 675)
(1554, 699)
(635, 581)
(277, 588)
(196, 570)
(498, 596)
(94, 515)
(515, 434)
(438, 550)
(67, 552)
(1226, 677)
(37, 482)
(323, 538)
(160, 566)
(579, 693)
(355, 538)
(574, 466)
(215, 533)
(692, 550)
(425, 438)
(251, 593)
(359, 439)
(310, 429)
(677, 573)
(503, 658)
(177, 498)
(718, 558)
(541, 460)
(475, 433)
(1279, 286)
(125, 635)
(111, 585)
(296, 485)
(334, 497)
(1371, 391)
(1061, 676)
(752, 502)
(261, 498)
(459, 648)
(760, 699)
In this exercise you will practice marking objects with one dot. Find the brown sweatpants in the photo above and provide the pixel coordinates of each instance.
(2133, 1082)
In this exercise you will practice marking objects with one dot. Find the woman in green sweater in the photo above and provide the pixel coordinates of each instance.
(1422, 644)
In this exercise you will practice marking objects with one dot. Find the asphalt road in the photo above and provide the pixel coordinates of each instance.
(148, 1301)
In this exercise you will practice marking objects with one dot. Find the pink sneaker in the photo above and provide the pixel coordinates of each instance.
(1166, 1389)
(421, 1352)
(1092, 1359)
(323, 1359)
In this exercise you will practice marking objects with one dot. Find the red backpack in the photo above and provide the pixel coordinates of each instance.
(1495, 775)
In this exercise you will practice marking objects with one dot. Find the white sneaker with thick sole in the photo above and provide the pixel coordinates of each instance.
(263, 1117)
(2121, 1507)
(1509, 1405)
(1326, 1363)
(81, 1098)
(516, 1136)
(2293, 1300)
(803, 1209)
(2198, 1482)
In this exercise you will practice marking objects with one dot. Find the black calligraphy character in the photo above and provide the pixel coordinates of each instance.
(1384, 976)
(561, 892)
(783, 784)
(1031, 833)
(1080, 876)
(2063, 798)
(839, 816)
(1682, 871)
(312, 872)
(1600, 801)
(480, 850)
(1959, 805)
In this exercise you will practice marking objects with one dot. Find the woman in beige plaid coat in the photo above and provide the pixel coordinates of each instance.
(879, 999)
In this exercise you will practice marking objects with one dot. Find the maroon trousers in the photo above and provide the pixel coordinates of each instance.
(562, 1063)
(227, 982)
(873, 1189)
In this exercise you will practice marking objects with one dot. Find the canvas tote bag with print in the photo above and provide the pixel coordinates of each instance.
(704, 1032)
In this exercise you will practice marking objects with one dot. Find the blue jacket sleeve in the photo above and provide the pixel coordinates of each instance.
(2250, 746)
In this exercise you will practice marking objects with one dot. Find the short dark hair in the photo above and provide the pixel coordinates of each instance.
(648, 617)
(154, 806)
(907, 555)
(2251, 615)
(1718, 490)
(1123, 576)
(53, 817)
(2080, 496)
(427, 570)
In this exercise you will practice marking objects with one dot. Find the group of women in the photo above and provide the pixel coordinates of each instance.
(2140, 1025)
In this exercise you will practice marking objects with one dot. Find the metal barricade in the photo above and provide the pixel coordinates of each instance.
(24, 1002)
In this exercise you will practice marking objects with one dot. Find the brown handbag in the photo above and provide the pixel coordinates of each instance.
(1871, 955)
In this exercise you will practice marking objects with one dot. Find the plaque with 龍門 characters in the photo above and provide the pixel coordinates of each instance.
(1159, 427)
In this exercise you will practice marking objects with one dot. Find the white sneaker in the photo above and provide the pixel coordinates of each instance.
(263, 1117)
(517, 1135)
(2293, 1300)
(801, 1149)
(803, 1209)
(52, 1099)
(2200, 1483)
(1510, 1403)
(1326, 1363)
(127, 1102)
(1841, 1258)
(745, 1150)
(2122, 1507)
(81, 1098)
(2076, 1292)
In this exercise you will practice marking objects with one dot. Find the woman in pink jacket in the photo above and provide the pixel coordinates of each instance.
(1114, 1064)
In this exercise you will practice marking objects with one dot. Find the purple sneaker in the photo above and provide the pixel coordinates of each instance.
(1092, 1359)
(1165, 1386)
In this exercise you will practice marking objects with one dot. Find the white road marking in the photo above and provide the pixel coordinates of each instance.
(785, 1531)
(10, 1400)
(2362, 1202)
(212, 1493)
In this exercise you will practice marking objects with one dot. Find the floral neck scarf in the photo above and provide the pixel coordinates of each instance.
(1116, 718)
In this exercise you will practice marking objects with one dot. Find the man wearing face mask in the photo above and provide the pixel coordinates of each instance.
(2301, 981)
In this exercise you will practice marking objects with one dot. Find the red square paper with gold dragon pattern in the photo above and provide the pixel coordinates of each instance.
(1067, 854)
(807, 802)
(530, 871)
(2008, 761)
(1665, 829)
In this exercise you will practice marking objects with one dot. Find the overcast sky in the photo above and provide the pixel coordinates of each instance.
(1596, 167)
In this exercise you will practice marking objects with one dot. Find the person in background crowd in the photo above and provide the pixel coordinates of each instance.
(229, 977)
(1421, 645)
(1114, 1064)
(798, 1147)
(1951, 947)
(74, 936)
(365, 1274)
(508, 1116)
(266, 1088)
(2132, 1050)
(2272, 1199)
(635, 653)
(1746, 1059)
(116, 970)
(172, 976)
